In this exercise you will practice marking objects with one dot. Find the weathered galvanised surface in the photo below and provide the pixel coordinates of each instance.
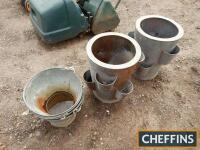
(158, 37)
(113, 57)
(43, 85)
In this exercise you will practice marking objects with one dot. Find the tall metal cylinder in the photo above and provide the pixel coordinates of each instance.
(158, 37)
(113, 57)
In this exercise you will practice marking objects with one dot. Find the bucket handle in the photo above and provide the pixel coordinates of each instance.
(75, 111)
(78, 109)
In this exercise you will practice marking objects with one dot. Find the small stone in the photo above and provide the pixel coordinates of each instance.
(93, 137)
(25, 147)
(86, 116)
(16, 134)
(108, 112)
(10, 129)
(30, 135)
(95, 133)
(33, 128)
(2, 146)
(101, 139)
(194, 69)
(178, 67)
(25, 113)
(18, 141)
(70, 134)
(141, 95)
(119, 139)
(178, 94)
(38, 134)
(38, 122)
(18, 98)
(18, 124)
(101, 143)
(197, 82)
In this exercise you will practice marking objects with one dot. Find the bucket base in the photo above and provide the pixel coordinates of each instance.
(107, 101)
(63, 123)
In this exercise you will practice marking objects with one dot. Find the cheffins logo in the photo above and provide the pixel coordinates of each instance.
(167, 138)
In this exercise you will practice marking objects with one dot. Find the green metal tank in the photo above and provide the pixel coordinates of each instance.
(57, 20)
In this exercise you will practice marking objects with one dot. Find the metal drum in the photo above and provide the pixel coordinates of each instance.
(113, 57)
(158, 37)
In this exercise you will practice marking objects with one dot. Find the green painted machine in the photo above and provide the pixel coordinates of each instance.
(59, 20)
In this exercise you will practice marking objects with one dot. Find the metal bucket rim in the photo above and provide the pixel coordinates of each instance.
(57, 115)
(175, 38)
(128, 64)
(67, 114)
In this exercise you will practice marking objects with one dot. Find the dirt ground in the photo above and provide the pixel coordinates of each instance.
(170, 101)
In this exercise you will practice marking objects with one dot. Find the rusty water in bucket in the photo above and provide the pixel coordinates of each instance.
(57, 103)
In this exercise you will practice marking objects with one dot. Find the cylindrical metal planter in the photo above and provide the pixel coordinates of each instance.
(158, 37)
(113, 57)
(54, 95)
